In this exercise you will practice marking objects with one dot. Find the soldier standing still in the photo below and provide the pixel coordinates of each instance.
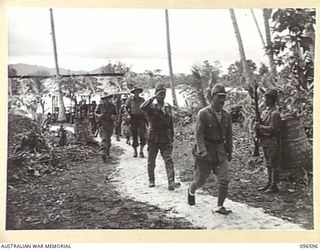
(213, 149)
(92, 117)
(269, 132)
(106, 112)
(138, 120)
(160, 135)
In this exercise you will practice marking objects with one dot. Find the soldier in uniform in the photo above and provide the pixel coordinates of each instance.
(124, 120)
(138, 120)
(117, 128)
(106, 113)
(160, 135)
(269, 132)
(92, 117)
(213, 147)
(82, 124)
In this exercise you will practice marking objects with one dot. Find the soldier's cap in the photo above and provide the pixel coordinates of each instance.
(273, 93)
(160, 86)
(136, 89)
(218, 89)
(105, 95)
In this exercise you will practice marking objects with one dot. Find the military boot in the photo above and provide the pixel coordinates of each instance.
(151, 178)
(141, 152)
(265, 187)
(174, 185)
(104, 157)
(128, 141)
(191, 198)
(108, 153)
(135, 152)
(273, 188)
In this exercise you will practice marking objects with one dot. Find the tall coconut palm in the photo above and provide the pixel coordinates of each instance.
(246, 71)
(258, 28)
(269, 48)
(62, 110)
(174, 97)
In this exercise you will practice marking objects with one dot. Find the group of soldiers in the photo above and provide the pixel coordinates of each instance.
(151, 123)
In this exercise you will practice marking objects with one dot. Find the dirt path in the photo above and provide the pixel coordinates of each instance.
(81, 195)
(131, 181)
(91, 194)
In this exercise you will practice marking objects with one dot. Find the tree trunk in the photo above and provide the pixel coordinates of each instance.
(269, 48)
(246, 72)
(10, 86)
(174, 97)
(62, 111)
(258, 28)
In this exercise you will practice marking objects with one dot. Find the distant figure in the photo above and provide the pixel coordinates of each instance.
(106, 113)
(269, 132)
(47, 121)
(82, 125)
(124, 119)
(92, 117)
(74, 107)
(117, 129)
(84, 106)
(160, 135)
(138, 120)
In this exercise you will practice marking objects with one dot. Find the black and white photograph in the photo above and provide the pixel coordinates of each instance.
(160, 118)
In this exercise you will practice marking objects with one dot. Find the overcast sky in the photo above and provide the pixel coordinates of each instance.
(88, 38)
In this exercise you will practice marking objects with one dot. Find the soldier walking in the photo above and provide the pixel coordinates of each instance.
(213, 148)
(160, 135)
(82, 124)
(117, 129)
(106, 112)
(138, 120)
(124, 120)
(269, 132)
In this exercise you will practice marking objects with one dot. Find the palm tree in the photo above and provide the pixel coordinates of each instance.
(174, 97)
(258, 28)
(269, 48)
(246, 71)
(62, 111)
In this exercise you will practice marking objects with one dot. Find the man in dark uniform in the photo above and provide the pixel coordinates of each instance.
(213, 148)
(124, 119)
(269, 132)
(138, 120)
(160, 135)
(82, 124)
(92, 117)
(106, 113)
(117, 129)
